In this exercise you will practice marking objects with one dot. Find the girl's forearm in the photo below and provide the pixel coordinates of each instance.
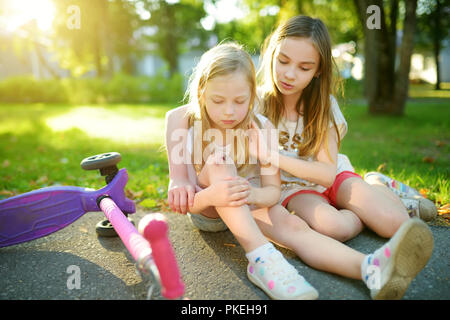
(264, 197)
(313, 171)
(202, 200)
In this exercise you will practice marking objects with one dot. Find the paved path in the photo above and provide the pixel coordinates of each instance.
(213, 266)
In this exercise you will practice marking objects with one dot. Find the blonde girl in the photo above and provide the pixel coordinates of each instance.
(296, 77)
(213, 154)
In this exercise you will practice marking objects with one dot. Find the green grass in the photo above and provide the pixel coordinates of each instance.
(42, 145)
(34, 155)
(414, 149)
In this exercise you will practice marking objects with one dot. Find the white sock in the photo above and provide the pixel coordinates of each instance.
(260, 253)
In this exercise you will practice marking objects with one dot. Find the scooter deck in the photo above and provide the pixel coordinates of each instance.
(41, 212)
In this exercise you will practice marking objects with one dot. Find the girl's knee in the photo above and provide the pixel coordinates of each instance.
(215, 168)
(289, 223)
(339, 234)
(388, 218)
(212, 171)
(391, 223)
(295, 224)
(338, 227)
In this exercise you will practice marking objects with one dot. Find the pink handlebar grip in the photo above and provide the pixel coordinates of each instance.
(154, 228)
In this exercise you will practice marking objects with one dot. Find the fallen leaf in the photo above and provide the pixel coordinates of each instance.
(150, 188)
(428, 159)
(424, 192)
(6, 193)
(444, 210)
(83, 229)
(382, 167)
(139, 194)
(439, 143)
(148, 203)
(129, 194)
(42, 180)
(6, 163)
(164, 206)
(133, 195)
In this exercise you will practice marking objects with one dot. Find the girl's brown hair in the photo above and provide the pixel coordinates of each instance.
(315, 98)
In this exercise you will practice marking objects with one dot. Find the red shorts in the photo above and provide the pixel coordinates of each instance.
(331, 193)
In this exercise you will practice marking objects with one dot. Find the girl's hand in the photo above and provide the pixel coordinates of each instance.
(229, 192)
(258, 145)
(181, 196)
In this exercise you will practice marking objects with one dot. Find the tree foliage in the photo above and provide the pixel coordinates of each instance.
(433, 24)
(176, 28)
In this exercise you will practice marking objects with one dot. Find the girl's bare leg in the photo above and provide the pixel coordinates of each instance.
(315, 249)
(238, 219)
(380, 212)
(376, 182)
(341, 225)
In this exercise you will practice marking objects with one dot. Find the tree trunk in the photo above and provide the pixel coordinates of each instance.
(402, 75)
(386, 66)
(170, 46)
(437, 42)
(385, 90)
(98, 55)
(379, 59)
(370, 53)
(437, 50)
(100, 36)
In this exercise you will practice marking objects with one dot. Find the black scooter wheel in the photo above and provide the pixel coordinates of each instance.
(105, 229)
(101, 161)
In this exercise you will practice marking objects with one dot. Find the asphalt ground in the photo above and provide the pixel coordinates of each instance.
(212, 265)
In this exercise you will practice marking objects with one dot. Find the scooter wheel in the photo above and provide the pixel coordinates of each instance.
(100, 161)
(105, 229)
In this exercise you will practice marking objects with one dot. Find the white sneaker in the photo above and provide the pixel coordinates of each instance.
(390, 269)
(420, 207)
(415, 203)
(279, 279)
(400, 189)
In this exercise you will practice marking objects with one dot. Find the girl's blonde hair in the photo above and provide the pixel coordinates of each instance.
(221, 60)
(317, 112)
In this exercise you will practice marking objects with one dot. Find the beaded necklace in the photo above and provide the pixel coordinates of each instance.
(285, 136)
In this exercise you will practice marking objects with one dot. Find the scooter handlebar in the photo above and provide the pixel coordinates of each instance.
(154, 228)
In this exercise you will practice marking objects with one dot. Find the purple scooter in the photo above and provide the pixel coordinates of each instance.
(41, 212)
